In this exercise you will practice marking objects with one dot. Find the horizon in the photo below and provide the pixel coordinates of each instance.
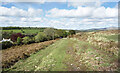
(60, 15)
(113, 28)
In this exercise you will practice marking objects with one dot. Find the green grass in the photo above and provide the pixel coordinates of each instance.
(56, 57)
(52, 58)
(113, 37)
(27, 31)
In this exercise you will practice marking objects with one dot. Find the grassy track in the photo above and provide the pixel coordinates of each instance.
(51, 58)
(68, 55)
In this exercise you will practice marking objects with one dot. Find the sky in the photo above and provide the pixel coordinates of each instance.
(61, 15)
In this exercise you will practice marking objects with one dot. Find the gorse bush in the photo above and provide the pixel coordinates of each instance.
(40, 37)
(61, 33)
(26, 40)
(31, 40)
(19, 40)
(6, 44)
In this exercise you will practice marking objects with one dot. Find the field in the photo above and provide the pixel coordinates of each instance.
(26, 31)
(85, 51)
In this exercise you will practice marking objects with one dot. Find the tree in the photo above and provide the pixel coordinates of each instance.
(50, 33)
(61, 33)
(40, 37)
(15, 36)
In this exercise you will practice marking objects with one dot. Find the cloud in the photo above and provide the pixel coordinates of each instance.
(33, 12)
(79, 12)
(92, 12)
(61, 23)
(103, 12)
(13, 11)
(76, 3)
(7, 19)
(79, 18)
(23, 19)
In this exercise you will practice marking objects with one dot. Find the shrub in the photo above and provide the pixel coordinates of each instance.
(19, 40)
(71, 32)
(15, 36)
(64, 33)
(40, 37)
(7, 34)
(61, 33)
(50, 32)
(6, 44)
(56, 36)
(27, 40)
(32, 40)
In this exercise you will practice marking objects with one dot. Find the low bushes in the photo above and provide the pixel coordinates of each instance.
(46, 35)
(28, 40)
(19, 40)
(15, 36)
(40, 37)
(7, 35)
(6, 44)
(71, 32)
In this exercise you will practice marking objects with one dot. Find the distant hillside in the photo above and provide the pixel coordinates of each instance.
(98, 29)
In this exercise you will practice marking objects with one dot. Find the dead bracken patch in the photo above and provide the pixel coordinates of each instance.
(11, 55)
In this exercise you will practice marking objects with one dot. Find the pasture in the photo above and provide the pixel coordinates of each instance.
(24, 31)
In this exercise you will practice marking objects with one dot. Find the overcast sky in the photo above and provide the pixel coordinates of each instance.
(62, 15)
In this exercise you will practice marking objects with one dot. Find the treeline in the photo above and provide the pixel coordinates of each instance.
(46, 35)
(10, 28)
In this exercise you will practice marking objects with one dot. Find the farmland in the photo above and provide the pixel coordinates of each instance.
(83, 51)
(27, 31)
(23, 30)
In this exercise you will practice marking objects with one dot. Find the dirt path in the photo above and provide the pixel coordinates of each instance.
(74, 64)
